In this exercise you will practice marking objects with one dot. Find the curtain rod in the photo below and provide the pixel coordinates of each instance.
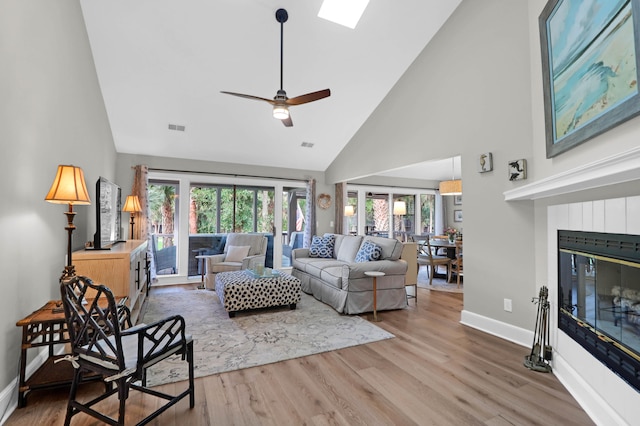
(223, 174)
(391, 186)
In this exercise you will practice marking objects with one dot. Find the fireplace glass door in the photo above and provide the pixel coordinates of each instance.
(603, 293)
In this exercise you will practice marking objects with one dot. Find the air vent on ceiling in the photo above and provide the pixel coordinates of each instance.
(306, 145)
(177, 127)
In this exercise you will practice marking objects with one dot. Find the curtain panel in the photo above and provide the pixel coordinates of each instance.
(310, 214)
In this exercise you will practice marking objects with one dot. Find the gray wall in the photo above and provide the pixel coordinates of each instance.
(51, 113)
(467, 93)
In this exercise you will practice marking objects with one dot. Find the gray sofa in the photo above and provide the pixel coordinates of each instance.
(341, 282)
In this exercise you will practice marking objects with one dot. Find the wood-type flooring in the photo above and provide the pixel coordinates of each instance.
(434, 372)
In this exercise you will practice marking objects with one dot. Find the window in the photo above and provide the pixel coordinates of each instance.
(373, 206)
(427, 213)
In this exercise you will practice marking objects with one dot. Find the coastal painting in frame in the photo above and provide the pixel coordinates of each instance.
(590, 68)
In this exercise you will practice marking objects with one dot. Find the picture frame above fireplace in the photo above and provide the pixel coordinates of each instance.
(590, 64)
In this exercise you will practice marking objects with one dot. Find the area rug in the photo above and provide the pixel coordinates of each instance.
(438, 284)
(252, 338)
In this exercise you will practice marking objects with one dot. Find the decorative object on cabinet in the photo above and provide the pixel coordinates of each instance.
(590, 72)
(518, 169)
(69, 188)
(132, 206)
(485, 162)
(324, 201)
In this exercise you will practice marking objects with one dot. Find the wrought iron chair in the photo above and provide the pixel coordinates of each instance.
(100, 344)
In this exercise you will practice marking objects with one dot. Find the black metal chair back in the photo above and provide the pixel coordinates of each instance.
(101, 343)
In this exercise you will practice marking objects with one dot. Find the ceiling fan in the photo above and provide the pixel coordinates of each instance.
(281, 102)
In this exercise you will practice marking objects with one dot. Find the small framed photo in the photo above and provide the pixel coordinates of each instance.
(457, 200)
(485, 162)
(457, 215)
(517, 169)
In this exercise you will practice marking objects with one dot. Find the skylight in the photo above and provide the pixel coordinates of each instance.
(343, 12)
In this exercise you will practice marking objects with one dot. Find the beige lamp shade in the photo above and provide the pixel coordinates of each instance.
(68, 187)
(399, 208)
(132, 204)
(349, 211)
(451, 187)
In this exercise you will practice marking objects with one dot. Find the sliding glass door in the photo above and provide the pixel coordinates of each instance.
(163, 218)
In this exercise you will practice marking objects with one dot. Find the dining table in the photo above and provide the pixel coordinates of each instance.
(450, 247)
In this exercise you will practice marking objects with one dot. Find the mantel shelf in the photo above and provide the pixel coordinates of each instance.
(618, 168)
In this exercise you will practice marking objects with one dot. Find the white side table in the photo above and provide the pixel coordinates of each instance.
(375, 275)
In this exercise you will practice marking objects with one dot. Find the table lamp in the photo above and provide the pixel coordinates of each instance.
(69, 188)
(132, 206)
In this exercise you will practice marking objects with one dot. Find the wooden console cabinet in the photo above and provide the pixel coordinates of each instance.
(123, 269)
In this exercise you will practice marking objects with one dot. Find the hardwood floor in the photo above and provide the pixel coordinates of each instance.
(434, 372)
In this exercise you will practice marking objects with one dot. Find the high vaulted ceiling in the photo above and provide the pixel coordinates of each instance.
(162, 62)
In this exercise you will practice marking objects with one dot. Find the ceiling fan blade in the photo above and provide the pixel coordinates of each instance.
(255, 98)
(309, 97)
(287, 122)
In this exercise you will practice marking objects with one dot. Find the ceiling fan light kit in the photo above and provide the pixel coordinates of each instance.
(281, 112)
(281, 102)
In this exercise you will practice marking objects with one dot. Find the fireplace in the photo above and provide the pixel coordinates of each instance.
(599, 297)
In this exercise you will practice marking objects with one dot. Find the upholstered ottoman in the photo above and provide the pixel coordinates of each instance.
(242, 290)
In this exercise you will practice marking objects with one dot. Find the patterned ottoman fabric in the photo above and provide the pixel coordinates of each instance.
(240, 290)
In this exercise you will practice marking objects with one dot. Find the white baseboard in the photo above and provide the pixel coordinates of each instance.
(497, 328)
(9, 395)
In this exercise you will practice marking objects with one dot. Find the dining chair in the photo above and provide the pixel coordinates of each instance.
(100, 344)
(426, 257)
(457, 266)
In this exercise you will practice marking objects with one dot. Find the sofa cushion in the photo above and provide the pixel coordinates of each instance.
(322, 246)
(391, 248)
(348, 248)
(368, 252)
(236, 253)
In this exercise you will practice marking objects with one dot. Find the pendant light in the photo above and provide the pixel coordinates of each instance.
(453, 186)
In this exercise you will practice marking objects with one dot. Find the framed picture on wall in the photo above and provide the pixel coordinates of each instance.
(457, 200)
(590, 64)
(457, 215)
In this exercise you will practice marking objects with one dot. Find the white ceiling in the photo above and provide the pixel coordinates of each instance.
(162, 62)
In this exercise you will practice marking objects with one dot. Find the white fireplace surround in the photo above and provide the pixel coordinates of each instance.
(606, 398)
(618, 168)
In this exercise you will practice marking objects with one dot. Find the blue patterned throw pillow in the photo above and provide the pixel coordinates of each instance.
(322, 246)
(368, 252)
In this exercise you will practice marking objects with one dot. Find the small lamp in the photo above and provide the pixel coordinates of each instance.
(400, 209)
(69, 188)
(132, 206)
(349, 211)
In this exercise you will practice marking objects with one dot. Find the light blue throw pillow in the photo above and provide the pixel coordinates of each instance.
(322, 246)
(368, 252)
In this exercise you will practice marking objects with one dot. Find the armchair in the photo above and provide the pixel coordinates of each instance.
(99, 344)
(242, 251)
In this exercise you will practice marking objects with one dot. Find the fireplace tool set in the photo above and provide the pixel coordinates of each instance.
(538, 359)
